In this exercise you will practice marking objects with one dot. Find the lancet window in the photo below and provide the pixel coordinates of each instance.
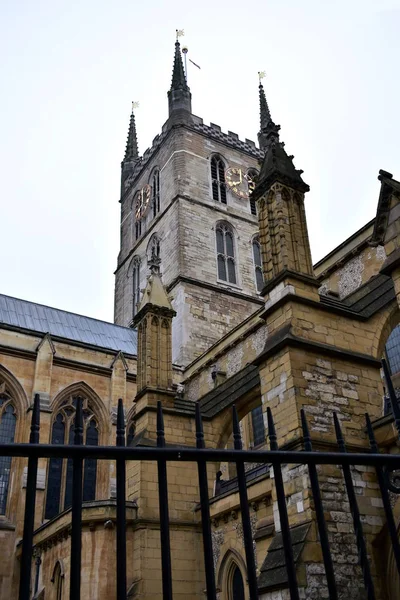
(226, 262)
(155, 192)
(218, 179)
(136, 285)
(258, 271)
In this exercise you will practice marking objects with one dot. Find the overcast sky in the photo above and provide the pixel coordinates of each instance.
(69, 71)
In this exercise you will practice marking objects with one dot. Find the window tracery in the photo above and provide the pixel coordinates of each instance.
(59, 481)
(218, 183)
(226, 262)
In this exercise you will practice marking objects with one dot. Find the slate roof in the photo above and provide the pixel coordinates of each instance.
(273, 572)
(367, 299)
(60, 323)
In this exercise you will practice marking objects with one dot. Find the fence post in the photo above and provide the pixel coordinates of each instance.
(164, 512)
(77, 496)
(205, 511)
(319, 511)
(244, 508)
(29, 518)
(121, 507)
(358, 530)
(280, 492)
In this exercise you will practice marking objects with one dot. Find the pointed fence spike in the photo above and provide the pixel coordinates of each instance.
(160, 425)
(306, 432)
(271, 430)
(199, 428)
(339, 434)
(371, 436)
(120, 423)
(237, 438)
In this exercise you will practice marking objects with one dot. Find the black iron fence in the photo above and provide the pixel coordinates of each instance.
(384, 465)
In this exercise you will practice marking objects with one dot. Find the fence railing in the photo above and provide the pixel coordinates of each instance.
(384, 464)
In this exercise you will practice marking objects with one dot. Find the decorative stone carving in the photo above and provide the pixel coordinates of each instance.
(350, 276)
(217, 539)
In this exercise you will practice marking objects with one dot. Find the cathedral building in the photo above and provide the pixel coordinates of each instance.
(217, 302)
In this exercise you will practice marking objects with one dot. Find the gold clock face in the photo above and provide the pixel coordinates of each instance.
(236, 181)
(251, 177)
(142, 202)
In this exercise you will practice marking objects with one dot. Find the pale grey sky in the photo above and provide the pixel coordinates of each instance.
(69, 71)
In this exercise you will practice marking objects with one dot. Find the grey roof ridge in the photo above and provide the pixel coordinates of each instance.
(63, 311)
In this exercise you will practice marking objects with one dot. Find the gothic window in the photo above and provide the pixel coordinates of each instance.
(59, 481)
(155, 192)
(236, 591)
(8, 421)
(58, 580)
(218, 179)
(258, 264)
(135, 285)
(251, 177)
(257, 422)
(226, 263)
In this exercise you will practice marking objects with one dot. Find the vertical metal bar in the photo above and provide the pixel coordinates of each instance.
(392, 395)
(280, 493)
(244, 507)
(77, 493)
(385, 496)
(30, 499)
(121, 507)
(205, 512)
(319, 511)
(358, 530)
(164, 513)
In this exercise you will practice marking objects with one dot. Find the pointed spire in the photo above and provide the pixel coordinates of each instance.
(265, 115)
(277, 165)
(131, 151)
(178, 72)
(179, 96)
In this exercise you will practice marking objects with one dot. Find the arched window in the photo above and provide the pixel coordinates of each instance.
(235, 584)
(251, 177)
(8, 421)
(58, 581)
(138, 229)
(135, 285)
(225, 253)
(155, 193)
(59, 481)
(218, 179)
(258, 264)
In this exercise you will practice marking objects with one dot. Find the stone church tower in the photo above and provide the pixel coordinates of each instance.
(187, 199)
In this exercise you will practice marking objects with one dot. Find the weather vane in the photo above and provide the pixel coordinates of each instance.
(179, 33)
(135, 105)
(261, 75)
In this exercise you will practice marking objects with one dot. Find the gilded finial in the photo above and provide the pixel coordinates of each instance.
(135, 105)
(179, 33)
(261, 75)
